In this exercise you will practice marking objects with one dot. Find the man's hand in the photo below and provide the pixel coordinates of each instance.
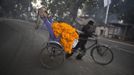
(80, 32)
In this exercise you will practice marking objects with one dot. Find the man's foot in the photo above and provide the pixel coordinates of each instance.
(79, 56)
(68, 55)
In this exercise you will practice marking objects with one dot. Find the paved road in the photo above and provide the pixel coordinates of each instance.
(123, 54)
(20, 45)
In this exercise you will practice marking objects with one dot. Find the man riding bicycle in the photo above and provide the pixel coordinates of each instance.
(88, 31)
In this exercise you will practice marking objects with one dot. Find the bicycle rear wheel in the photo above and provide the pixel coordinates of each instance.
(102, 55)
(52, 56)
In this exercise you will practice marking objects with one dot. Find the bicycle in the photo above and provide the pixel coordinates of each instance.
(53, 55)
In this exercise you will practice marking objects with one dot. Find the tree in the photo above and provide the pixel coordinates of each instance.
(128, 11)
(64, 8)
(20, 9)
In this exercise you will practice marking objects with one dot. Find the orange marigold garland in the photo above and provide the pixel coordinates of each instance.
(67, 34)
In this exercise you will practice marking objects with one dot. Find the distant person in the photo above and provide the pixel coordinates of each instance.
(43, 15)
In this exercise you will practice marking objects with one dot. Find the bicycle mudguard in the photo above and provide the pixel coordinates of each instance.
(56, 43)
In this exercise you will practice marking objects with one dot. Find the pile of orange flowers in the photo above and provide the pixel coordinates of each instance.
(66, 33)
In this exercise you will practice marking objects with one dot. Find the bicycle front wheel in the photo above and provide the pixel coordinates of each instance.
(52, 56)
(102, 55)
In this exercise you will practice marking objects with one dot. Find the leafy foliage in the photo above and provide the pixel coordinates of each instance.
(20, 9)
(68, 9)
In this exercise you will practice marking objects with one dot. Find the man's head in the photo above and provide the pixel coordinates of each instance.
(42, 12)
(90, 22)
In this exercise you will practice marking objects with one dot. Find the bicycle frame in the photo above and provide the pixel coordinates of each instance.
(91, 39)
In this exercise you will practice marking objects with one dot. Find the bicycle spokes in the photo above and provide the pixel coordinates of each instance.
(101, 52)
(51, 56)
